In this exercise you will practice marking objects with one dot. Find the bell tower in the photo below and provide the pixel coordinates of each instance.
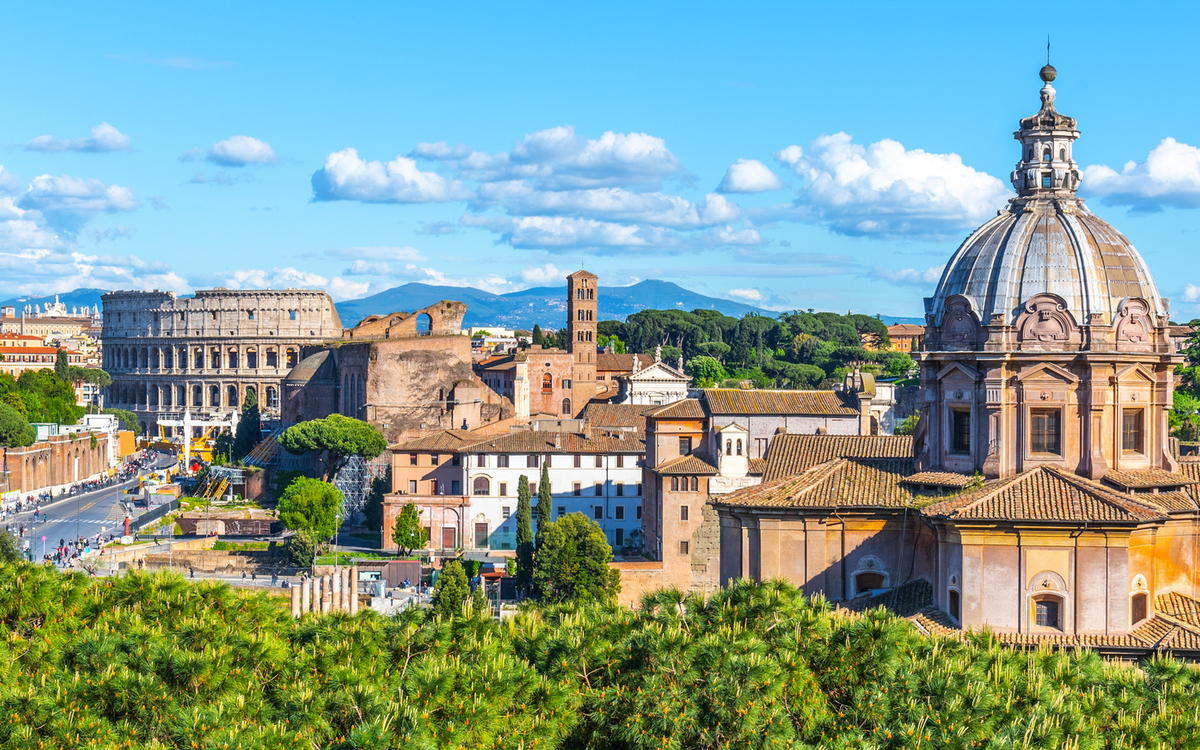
(582, 300)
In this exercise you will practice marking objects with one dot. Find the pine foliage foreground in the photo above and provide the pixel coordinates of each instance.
(151, 660)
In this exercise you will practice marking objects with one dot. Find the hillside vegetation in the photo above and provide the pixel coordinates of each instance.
(154, 661)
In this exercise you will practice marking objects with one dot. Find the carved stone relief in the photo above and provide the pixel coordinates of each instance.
(1045, 323)
(1134, 326)
(960, 327)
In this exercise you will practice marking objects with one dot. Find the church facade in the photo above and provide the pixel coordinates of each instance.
(1040, 495)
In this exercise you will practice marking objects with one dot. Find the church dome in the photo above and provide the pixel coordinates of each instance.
(1045, 242)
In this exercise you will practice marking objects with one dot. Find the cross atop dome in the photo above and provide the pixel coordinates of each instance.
(1046, 169)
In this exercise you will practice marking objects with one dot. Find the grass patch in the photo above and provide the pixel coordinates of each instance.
(344, 556)
(239, 546)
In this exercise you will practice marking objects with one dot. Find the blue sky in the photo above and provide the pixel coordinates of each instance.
(828, 156)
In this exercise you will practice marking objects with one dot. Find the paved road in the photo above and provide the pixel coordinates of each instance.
(83, 515)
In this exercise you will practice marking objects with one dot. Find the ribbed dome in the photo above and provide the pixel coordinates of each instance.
(1046, 247)
(1046, 241)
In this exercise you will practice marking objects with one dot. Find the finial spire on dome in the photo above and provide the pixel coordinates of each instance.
(1046, 168)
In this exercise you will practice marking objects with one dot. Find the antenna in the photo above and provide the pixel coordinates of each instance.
(1047, 49)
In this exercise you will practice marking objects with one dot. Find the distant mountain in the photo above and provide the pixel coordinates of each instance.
(73, 298)
(546, 306)
(891, 320)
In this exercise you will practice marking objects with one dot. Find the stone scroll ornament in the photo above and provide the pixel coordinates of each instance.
(1134, 325)
(960, 329)
(1045, 322)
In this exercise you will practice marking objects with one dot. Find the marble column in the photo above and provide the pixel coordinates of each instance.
(305, 588)
(336, 603)
(295, 602)
(354, 589)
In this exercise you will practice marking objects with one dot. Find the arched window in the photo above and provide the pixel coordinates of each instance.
(231, 396)
(1137, 607)
(566, 406)
(1047, 611)
(728, 447)
(252, 359)
(214, 396)
(547, 383)
(482, 486)
(272, 358)
(424, 324)
(233, 359)
(954, 606)
(272, 397)
(695, 484)
(197, 396)
(739, 446)
(1062, 154)
(291, 358)
(675, 484)
(864, 582)
(199, 359)
(1046, 155)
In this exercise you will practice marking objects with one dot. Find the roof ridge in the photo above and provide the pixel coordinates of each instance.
(1098, 489)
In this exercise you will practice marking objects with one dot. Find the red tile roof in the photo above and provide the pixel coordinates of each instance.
(688, 408)
(736, 401)
(1137, 480)
(617, 415)
(791, 454)
(1046, 493)
(540, 441)
(443, 440)
(693, 463)
(941, 479)
(838, 483)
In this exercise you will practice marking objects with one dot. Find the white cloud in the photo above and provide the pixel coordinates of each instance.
(885, 190)
(1191, 293)
(104, 138)
(1170, 176)
(749, 176)
(8, 181)
(907, 276)
(558, 159)
(112, 233)
(520, 198)
(368, 268)
(341, 289)
(347, 177)
(274, 278)
(240, 151)
(750, 294)
(69, 202)
(439, 228)
(543, 275)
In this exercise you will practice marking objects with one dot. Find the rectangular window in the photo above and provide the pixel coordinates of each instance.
(504, 489)
(1046, 180)
(1131, 430)
(620, 537)
(505, 511)
(683, 548)
(481, 462)
(961, 431)
(638, 513)
(455, 487)
(599, 489)
(456, 460)
(433, 487)
(577, 489)
(531, 462)
(562, 511)
(412, 486)
(292, 314)
(502, 461)
(578, 460)
(548, 461)
(1046, 612)
(434, 458)
(619, 512)
(683, 513)
(412, 459)
(620, 461)
(598, 512)
(533, 488)
(620, 488)
(685, 445)
(1045, 434)
(599, 462)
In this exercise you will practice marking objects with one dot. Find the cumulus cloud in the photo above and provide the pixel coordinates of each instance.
(520, 198)
(69, 202)
(749, 294)
(8, 181)
(104, 138)
(438, 228)
(907, 276)
(1169, 177)
(240, 151)
(273, 278)
(749, 176)
(341, 289)
(112, 233)
(546, 275)
(885, 190)
(1191, 293)
(347, 177)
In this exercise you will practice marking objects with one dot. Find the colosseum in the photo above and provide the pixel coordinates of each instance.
(204, 353)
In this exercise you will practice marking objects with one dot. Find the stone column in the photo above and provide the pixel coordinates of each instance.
(326, 594)
(354, 589)
(305, 588)
(295, 602)
(336, 604)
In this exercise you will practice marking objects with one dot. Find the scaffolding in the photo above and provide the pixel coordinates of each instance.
(354, 480)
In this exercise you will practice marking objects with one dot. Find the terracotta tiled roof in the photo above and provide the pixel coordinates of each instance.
(905, 329)
(499, 363)
(792, 454)
(1140, 480)
(539, 441)
(933, 621)
(688, 408)
(1169, 502)
(757, 467)
(736, 401)
(443, 440)
(617, 415)
(693, 463)
(903, 600)
(841, 482)
(941, 479)
(613, 362)
(1046, 493)
(1179, 606)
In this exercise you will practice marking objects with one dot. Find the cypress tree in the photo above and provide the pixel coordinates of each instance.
(62, 367)
(543, 506)
(524, 536)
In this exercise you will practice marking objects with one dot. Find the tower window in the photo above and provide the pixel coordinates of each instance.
(1046, 155)
(1046, 433)
(1062, 154)
(961, 431)
(1131, 430)
(1046, 180)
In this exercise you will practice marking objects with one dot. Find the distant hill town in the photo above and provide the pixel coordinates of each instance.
(544, 306)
